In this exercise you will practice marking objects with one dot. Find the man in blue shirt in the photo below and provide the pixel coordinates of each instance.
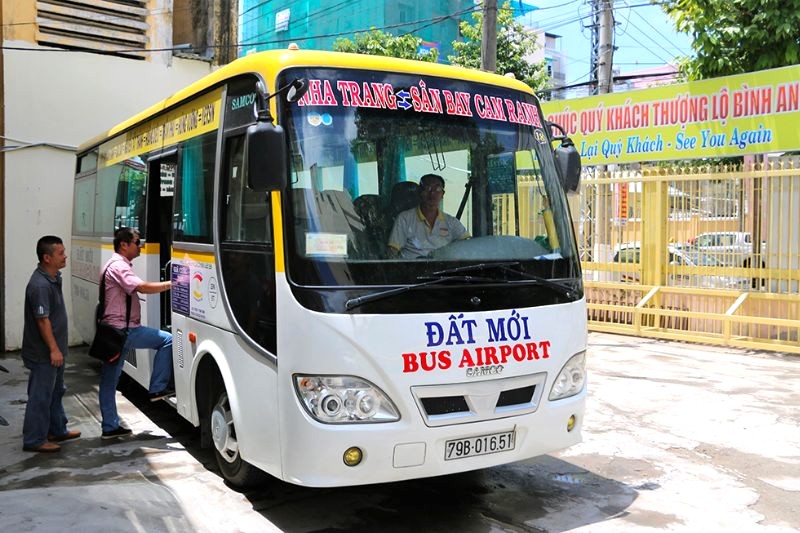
(44, 348)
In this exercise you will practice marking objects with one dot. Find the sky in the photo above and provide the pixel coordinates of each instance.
(644, 36)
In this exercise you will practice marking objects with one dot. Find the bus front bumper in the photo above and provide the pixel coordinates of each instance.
(313, 454)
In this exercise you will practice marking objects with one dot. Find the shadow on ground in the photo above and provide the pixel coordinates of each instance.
(543, 494)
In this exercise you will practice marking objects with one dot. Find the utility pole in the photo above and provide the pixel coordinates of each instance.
(605, 47)
(489, 36)
(602, 64)
(594, 53)
(602, 42)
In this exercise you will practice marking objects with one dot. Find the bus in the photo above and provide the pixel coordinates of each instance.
(302, 348)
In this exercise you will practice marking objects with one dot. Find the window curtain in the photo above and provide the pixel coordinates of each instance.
(350, 177)
(193, 193)
(394, 165)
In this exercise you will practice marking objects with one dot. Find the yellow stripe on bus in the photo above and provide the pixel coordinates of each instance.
(199, 116)
(147, 249)
(200, 257)
(277, 225)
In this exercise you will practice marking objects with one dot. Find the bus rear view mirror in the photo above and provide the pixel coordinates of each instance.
(265, 154)
(568, 163)
(568, 160)
(297, 89)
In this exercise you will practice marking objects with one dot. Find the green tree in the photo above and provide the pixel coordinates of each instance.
(736, 36)
(378, 43)
(514, 45)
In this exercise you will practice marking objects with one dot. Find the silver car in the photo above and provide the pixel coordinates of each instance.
(730, 248)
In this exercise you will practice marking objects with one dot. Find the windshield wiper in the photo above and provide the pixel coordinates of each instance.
(352, 303)
(564, 290)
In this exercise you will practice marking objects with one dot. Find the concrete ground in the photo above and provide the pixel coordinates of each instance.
(146, 483)
(677, 437)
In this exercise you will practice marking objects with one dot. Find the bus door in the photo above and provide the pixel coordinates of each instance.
(162, 170)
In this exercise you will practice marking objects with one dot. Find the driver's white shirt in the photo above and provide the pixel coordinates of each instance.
(414, 237)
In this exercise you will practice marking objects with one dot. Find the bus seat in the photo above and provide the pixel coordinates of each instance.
(405, 195)
(376, 225)
(304, 202)
(338, 215)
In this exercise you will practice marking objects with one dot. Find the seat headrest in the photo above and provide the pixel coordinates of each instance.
(405, 195)
(368, 207)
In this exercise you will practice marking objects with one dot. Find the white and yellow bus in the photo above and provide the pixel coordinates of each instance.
(266, 192)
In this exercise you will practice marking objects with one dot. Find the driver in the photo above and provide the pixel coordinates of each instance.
(420, 230)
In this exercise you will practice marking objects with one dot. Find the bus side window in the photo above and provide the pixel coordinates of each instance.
(194, 189)
(120, 196)
(83, 206)
(247, 255)
(246, 211)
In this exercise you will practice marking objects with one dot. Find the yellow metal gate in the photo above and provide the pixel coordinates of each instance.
(704, 254)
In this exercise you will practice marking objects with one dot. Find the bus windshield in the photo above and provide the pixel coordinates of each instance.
(362, 143)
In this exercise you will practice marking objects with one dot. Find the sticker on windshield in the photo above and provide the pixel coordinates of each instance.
(314, 119)
(326, 244)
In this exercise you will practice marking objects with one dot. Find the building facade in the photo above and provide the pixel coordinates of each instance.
(316, 24)
(554, 59)
(69, 71)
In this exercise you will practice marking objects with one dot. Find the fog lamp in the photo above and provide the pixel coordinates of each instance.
(571, 423)
(352, 456)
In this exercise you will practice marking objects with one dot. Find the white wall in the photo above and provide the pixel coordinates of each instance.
(63, 98)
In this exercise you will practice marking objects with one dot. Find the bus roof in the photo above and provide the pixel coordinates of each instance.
(277, 60)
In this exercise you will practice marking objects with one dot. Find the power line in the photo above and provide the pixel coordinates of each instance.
(632, 25)
(557, 22)
(431, 21)
(642, 44)
(305, 20)
(426, 23)
(437, 21)
(627, 77)
(667, 39)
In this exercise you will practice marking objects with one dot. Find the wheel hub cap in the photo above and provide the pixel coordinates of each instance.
(219, 430)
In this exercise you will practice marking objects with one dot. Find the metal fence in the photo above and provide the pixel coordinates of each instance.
(703, 254)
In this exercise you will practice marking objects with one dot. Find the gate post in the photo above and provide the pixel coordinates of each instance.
(655, 211)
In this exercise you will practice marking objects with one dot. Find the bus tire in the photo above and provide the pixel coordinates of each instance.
(236, 471)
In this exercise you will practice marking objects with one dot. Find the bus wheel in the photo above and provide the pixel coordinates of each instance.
(234, 469)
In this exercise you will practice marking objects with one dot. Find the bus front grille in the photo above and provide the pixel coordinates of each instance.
(518, 396)
(444, 405)
(461, 403)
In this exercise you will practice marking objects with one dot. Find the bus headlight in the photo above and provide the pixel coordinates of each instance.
(571, 379)
(330, 403)
(344, 400)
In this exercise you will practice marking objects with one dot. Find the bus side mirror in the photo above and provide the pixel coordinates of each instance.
(568, 160)
(265, 154)
(568, 163)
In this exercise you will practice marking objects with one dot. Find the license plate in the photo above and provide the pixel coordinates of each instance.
(483, 445)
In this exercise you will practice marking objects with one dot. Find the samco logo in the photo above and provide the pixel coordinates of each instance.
(457, 344)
